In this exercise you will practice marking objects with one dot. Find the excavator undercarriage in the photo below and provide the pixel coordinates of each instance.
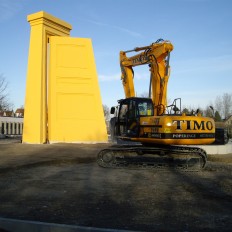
(183, 158)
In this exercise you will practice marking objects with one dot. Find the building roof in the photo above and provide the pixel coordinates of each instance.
(8, 113)
(19, 111)
(229, 117)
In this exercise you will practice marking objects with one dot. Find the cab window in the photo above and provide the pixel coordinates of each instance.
(145, 109)
(123, 111)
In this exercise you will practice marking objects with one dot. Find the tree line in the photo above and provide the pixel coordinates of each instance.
(220, 109)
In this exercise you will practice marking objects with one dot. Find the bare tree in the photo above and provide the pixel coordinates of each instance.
(223, 104)
(218, 104)
(4, 101)
(106, 112)
(226, 104)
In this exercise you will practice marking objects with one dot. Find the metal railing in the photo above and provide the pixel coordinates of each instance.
(11, 126)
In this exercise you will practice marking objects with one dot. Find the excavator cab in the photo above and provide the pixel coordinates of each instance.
(129, 114)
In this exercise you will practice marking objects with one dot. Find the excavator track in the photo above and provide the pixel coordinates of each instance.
(183, 158)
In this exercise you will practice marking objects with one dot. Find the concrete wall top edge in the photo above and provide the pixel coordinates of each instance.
(44, 15)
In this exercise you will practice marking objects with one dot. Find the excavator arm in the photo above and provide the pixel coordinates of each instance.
(156, 56)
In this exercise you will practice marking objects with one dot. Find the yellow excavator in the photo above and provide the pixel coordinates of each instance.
(158, 135)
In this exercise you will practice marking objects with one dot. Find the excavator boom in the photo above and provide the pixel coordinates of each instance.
(157, 57)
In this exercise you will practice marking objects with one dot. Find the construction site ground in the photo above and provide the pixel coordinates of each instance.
(62, 183)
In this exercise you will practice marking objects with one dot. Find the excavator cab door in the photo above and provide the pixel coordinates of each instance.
(127, 119)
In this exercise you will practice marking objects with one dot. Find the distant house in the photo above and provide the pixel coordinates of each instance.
(8, 113)
(1, 113)
(19, 113)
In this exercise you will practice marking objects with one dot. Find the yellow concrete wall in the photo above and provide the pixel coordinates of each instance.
(75, 112)
(54, 103)
(43, 26)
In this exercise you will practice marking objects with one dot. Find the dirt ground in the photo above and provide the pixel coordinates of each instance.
(61, 183)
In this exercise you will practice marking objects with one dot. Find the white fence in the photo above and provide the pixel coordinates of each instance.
(11, 126)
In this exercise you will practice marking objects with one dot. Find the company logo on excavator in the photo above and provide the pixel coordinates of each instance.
(140, 59)
(193, 125)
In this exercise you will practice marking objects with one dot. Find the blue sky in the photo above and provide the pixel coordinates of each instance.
(200, 30)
